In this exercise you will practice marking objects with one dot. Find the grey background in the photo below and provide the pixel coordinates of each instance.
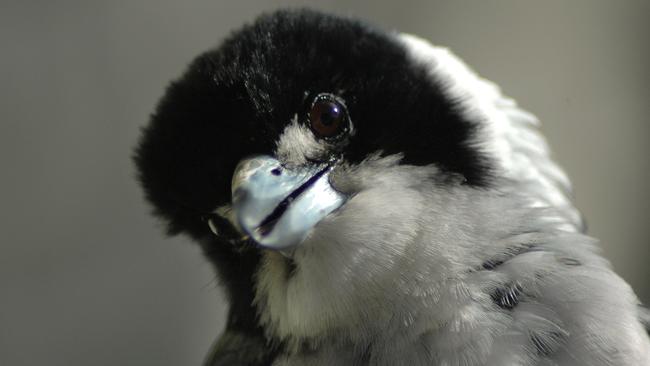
(86, 277)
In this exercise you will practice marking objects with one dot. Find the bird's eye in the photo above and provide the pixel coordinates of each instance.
(328, 117)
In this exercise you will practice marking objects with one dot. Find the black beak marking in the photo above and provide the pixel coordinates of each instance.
(269, 222)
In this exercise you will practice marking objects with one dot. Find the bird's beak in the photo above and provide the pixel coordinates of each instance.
(277, 206)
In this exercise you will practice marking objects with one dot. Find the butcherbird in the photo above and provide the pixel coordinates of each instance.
(367, 199)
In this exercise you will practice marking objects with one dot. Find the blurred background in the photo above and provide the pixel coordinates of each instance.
(86, 276)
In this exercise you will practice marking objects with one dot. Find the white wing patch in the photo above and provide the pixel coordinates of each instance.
(509, 134)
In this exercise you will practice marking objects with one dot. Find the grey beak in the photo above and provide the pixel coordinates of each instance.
(278, 207)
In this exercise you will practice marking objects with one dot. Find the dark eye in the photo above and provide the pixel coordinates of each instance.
(328, 117)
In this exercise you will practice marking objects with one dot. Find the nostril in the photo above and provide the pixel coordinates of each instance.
(276, 171)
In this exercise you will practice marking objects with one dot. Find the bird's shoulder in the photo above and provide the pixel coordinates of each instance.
(240, 348)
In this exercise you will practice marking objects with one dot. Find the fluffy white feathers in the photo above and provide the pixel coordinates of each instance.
(509, 132)
(415, 272)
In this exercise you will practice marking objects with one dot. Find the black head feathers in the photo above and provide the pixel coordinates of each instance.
(235, 101)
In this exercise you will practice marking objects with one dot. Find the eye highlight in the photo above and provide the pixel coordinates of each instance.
(328, 117)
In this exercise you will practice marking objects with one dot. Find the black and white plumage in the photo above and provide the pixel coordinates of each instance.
(457, 243)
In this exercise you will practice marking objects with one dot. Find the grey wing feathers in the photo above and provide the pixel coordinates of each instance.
(644, 317)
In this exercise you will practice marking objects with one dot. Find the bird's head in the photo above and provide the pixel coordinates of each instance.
(328, 142)
(257, 130)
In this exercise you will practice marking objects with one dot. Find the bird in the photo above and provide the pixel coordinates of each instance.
(366, 198)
